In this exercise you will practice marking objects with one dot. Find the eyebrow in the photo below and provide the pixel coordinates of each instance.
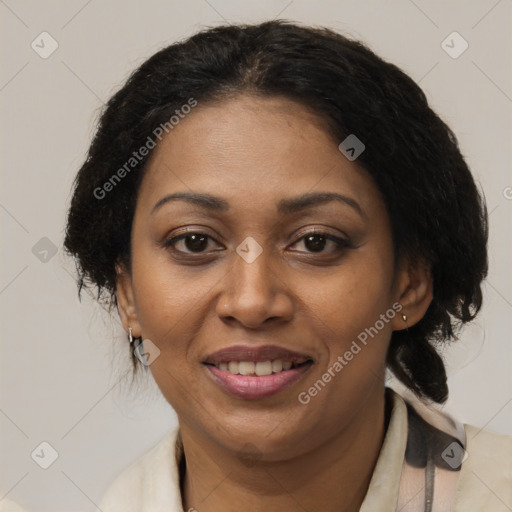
(206, 201)
(284, 206)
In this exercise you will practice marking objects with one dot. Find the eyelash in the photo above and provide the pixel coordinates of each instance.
(340, 243)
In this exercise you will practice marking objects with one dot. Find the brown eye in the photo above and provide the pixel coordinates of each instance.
(315, 243)
(189, 242)
(319, 243)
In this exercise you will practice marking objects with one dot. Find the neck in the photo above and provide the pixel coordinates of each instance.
(332, 476)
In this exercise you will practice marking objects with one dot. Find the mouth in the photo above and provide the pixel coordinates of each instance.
(255, 373)
(258, 368)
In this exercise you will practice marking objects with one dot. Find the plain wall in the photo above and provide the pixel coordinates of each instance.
(63, 363)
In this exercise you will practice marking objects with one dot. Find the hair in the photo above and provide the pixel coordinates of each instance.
(437, 215)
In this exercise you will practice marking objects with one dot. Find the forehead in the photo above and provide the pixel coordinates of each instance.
(252, 150)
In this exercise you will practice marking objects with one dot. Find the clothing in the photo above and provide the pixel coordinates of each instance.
(484, 482)
(10, 506)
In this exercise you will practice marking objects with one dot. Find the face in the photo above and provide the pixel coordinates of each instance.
(291, 259)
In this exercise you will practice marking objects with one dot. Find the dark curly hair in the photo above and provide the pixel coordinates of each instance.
(436, 212)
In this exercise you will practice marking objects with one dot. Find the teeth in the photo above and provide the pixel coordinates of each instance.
(263, 368)
(260, 368)
(246, 368)
(277, 365)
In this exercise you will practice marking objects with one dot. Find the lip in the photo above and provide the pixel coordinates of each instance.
(251, 387)
(256, 354)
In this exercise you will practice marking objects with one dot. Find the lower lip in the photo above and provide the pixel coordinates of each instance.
(252, 387)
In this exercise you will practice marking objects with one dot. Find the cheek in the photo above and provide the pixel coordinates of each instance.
(351, 296)
(171, 303)
(346, 308)
(167, 294)
(169, 309)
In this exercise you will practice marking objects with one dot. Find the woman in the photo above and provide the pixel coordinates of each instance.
(279, 216)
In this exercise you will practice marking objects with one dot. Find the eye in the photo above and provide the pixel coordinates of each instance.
(317, 241)
(195, 242)
(191, 242)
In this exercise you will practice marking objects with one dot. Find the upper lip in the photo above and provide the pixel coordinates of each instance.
(252, 353)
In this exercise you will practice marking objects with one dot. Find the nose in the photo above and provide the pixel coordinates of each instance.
(254, 293)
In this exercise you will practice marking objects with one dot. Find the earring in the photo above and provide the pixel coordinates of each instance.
(404, 318)
(130, 337)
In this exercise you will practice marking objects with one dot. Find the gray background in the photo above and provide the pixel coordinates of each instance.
(63, 364)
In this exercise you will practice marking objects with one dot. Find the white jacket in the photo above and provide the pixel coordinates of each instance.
(151, 484)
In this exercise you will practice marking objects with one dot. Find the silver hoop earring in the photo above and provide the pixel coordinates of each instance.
(130, 337)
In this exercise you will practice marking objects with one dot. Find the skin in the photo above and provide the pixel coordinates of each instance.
(253, 152)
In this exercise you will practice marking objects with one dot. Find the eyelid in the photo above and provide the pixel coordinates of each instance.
(192, 230)
(341, 242)
(169, 241)
(323, 231)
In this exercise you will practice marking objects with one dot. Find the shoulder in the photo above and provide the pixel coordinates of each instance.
(485, 481)
(150, 475)
(10, 506)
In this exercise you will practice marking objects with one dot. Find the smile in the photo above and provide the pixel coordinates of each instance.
(255, 380)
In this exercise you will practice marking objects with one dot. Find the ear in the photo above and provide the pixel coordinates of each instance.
(126, 302)
(414, 294)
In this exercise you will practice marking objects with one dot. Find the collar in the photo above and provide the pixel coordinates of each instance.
(382, 492)
(384, 485)
(391, 475)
